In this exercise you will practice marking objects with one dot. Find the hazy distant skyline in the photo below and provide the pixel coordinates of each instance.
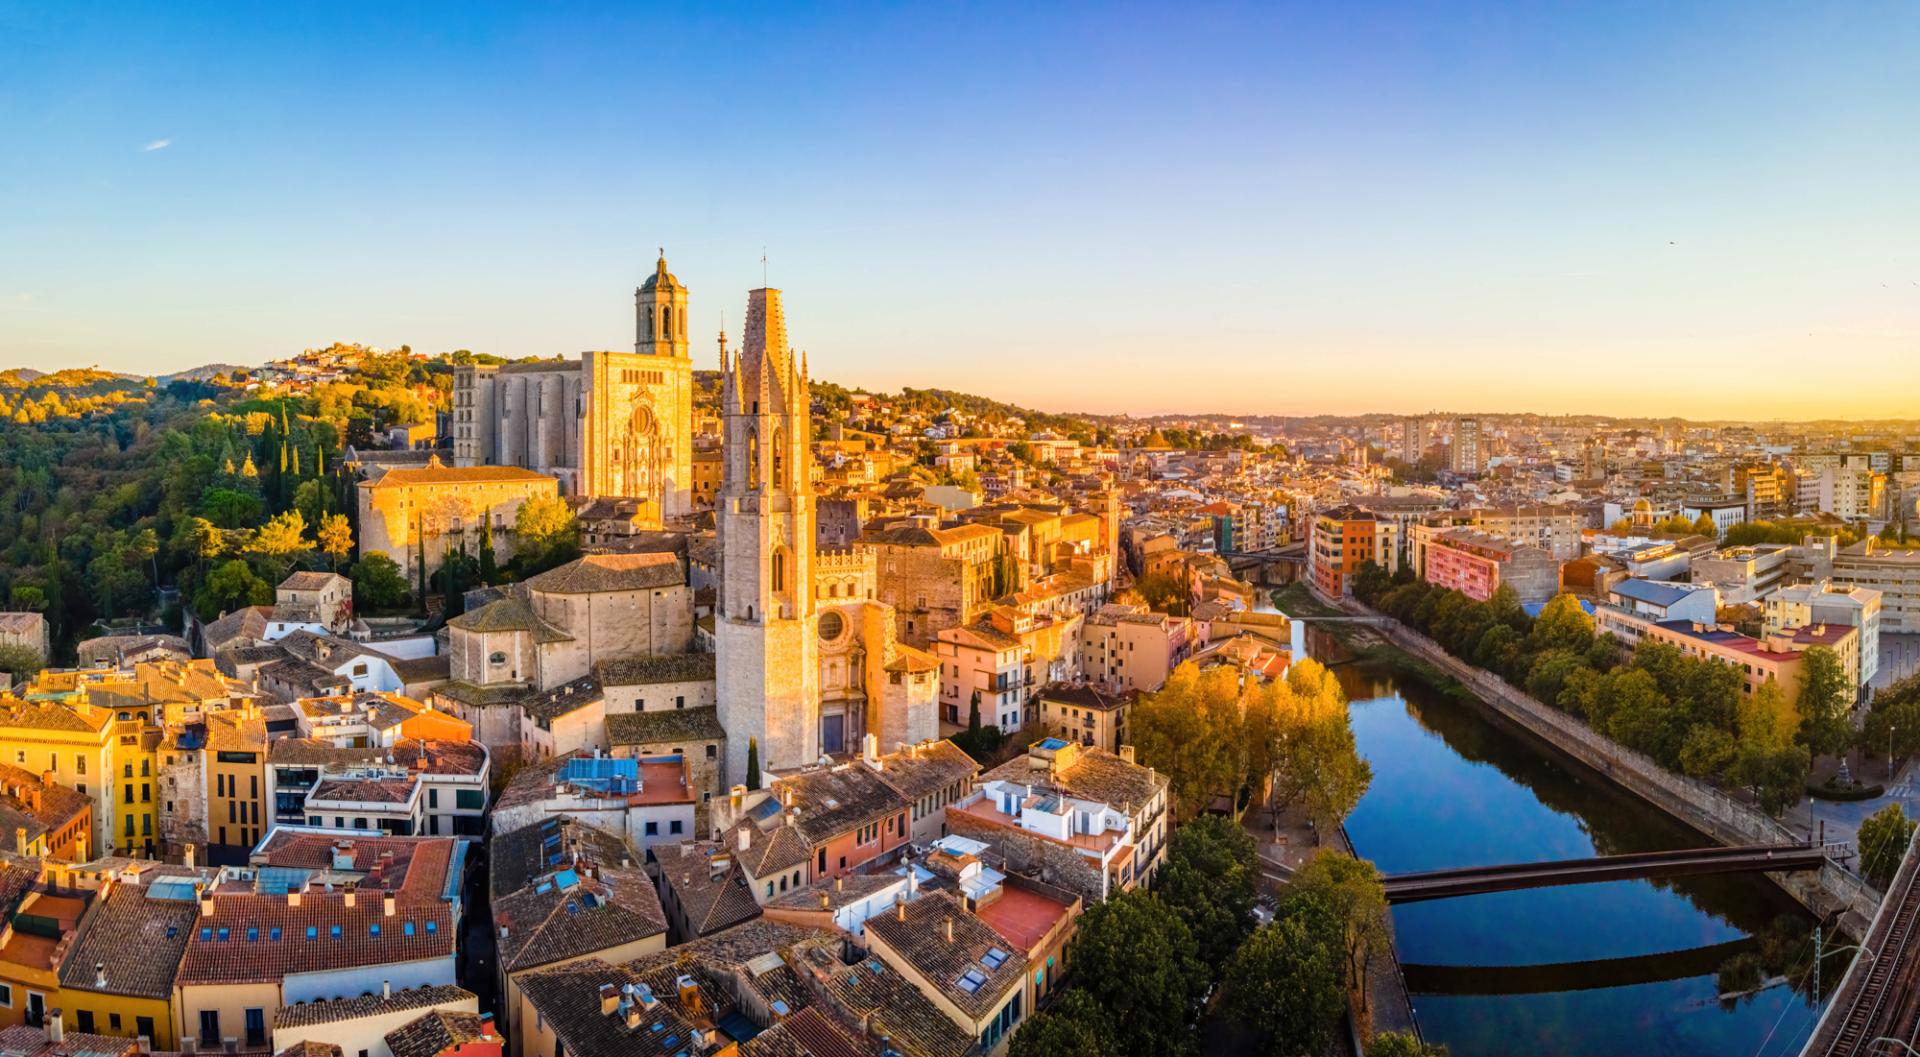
(1708, 211)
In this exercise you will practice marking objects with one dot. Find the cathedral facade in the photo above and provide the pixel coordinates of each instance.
(607, 424)
(808, 663)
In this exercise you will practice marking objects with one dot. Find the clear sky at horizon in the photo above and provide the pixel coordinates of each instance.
(1705, 210)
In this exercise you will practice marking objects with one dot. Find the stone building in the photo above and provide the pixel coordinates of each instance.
(440, 507)
(607, 424)
(938, 578)
(808, 660)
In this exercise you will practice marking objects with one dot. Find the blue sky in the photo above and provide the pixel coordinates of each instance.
(1709, 210)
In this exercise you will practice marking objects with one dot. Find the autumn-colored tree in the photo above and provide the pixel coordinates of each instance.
(335, 536)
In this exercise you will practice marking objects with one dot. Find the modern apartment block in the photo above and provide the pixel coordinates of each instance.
(1808, 605)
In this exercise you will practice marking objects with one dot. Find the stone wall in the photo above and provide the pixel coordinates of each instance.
(1698, 805)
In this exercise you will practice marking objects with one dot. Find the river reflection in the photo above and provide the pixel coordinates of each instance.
(1622, 967)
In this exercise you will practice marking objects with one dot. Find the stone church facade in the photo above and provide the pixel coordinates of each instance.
(608, 424)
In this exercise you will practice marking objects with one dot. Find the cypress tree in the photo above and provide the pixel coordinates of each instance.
(753, 763)
(487, 568)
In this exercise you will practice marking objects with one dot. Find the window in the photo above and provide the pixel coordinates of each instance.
(79, 765)
(85, 1020)
(653, 829)
(113, 1021)
(209, 1027)
(274, 934)
(712, 751)
(673, 826)
(256, 1027)
(143, 1026)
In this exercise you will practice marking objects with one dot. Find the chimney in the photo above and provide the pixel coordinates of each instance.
(633, 1016)
(206, 903)
(386, 989)
(189, 856)
(56, 1026)
(486, 1027)
(949, 930)
(100, 975)
(20, 839)
(1126, 753)
(609, 999)
(900, 910)
(388, 905)
(347, 897)
(293, 897)
(839, 884)
(746, 838)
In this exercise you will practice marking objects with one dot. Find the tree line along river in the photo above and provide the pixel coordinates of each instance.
(1622, 967)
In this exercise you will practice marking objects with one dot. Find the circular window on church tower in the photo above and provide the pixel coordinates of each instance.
(832, 626)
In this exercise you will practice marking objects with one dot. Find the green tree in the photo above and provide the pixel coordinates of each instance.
(22, 663)
(753, 763)
(1707, 752)
(1894, 720)
(1074, 1026)
(1561, 625)
(1403, 1044)
(378, 582)
(1136, 959)
(1352, 890)
(1884, 836)
(1286, 983)
(1826, 701)
(1189, 731)
(545, 534)
(1209, 882)
(488, 570)
(234, 585)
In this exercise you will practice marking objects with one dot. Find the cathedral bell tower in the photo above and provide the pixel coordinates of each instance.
(766, 631)
(660, 314)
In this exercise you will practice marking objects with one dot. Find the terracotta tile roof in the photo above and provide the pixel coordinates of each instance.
(509, 614)
(926, 768)
(673, 724)
(309, 1048)
(307, 1014)
(554, 920)
(921, 940)
(516, 858)
(416, 864)
(50, 715)
(561, 700)
(809, 1033)
(610, 572)
(874, 994)
(568, 998)
(20, 1040)
(774, 849)
(26, 803)
(665, 668)
(135, 939)
(321, 934)
(711, 903)
(833, 800)
(407, 476)
(434, 1034)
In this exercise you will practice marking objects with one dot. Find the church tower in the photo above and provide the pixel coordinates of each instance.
(766, 627)
(660, 314)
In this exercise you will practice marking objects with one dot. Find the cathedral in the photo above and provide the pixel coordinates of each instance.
(808, 663)
(608, 424)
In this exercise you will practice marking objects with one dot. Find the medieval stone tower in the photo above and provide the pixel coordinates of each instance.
(766, 630)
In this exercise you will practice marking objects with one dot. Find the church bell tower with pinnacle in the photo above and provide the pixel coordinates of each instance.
(766, 628)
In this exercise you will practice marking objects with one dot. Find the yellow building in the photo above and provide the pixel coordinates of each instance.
(236, 769)
(64, 736)
(38, 931)
(118, 976)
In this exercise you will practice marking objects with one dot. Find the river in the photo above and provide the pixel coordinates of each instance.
(1624, 967)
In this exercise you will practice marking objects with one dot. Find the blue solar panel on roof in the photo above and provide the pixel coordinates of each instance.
(1052, 743)
(566, 879)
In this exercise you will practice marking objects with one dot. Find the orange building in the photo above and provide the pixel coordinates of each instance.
(1342, 540)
